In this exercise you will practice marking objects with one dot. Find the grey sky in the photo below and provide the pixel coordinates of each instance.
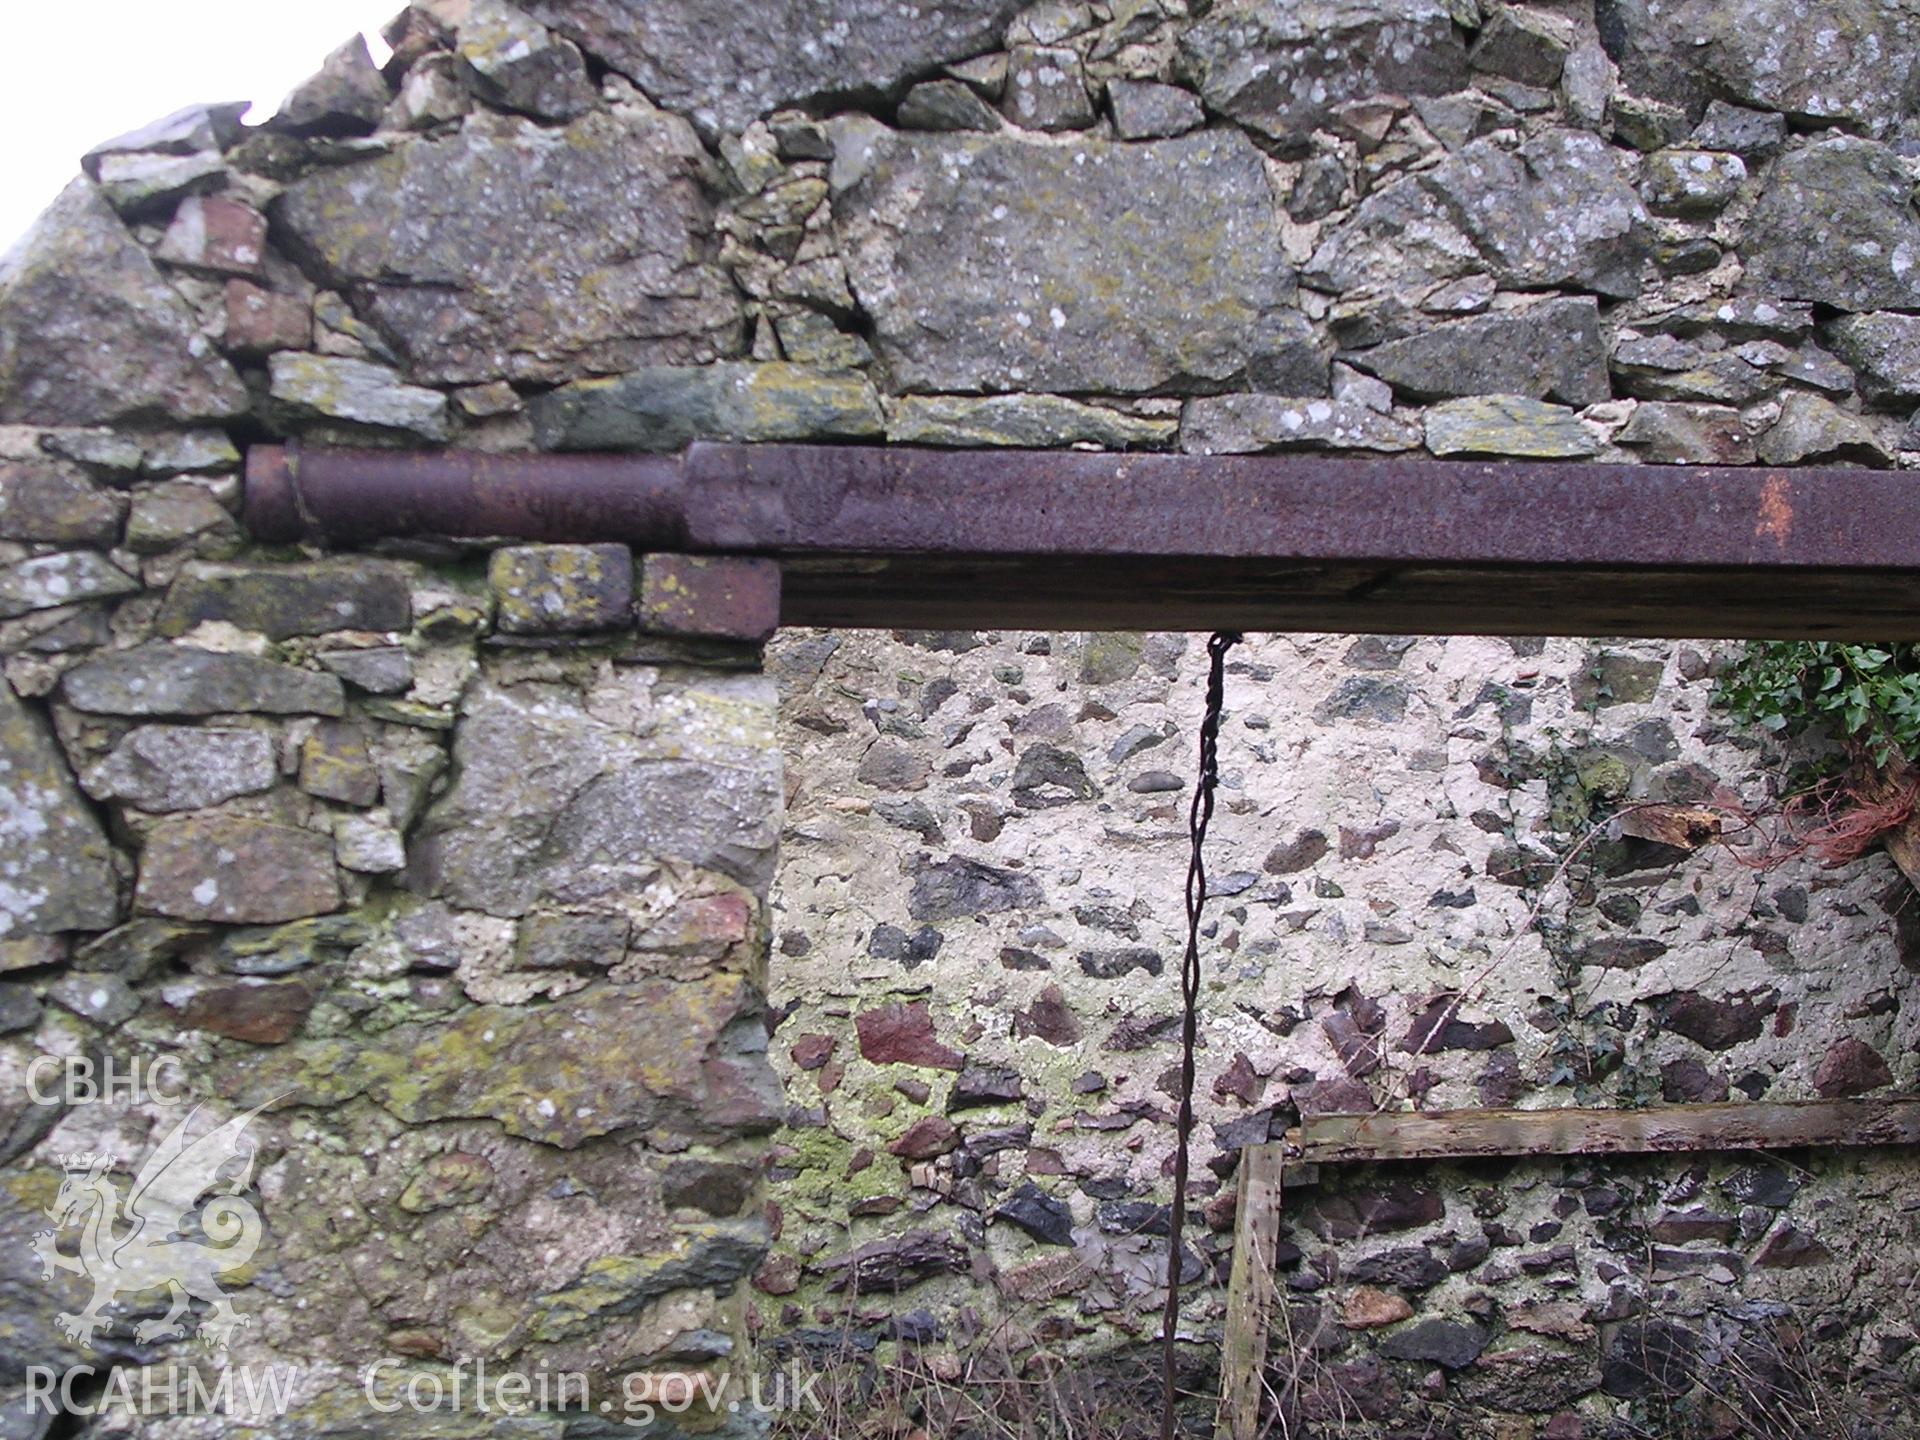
(61, 93)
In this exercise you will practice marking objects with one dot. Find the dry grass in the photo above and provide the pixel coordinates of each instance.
(1007, 1386)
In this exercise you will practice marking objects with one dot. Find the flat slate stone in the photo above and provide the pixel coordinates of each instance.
(162, 768)
(383, 670)
(1148, 110)
(161, 679)
(1560, 210)
(91, 334)
(561, 589)
(44, 500)
(106, 1000)
(236, 871)
(1046, 89)
(184, 132)
(664, 407)
(1103, 267)
(1550, 351)
(1677, 434)
(346, 96)
(56, 868)
(1811, 430)
(356, 392)
(1884, 351)
(1448, 1343)
(1508, 425)
(593, 253)
(1695, 183)
(1284, 66)
(1525, 45)
(47, 581)
(287, 600)
(725, 64)
(1836, 225)
(516, 62)
(1249, 424)
(1850, 61)
(548, 802)
(1744, 132)
(1033, 421)
(147, 186)
(945, 105)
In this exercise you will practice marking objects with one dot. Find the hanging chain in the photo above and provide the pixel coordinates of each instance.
(1198, 817)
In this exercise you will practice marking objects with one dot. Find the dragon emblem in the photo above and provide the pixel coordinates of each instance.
(155, 1238)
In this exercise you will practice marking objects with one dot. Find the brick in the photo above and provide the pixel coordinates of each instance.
(709, 597)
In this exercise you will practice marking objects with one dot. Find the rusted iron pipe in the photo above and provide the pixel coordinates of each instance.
(1297, 508)
(938, 539)
(823, 499)
(350, 497)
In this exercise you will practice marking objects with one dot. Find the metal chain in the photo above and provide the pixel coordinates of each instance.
(1198, 817)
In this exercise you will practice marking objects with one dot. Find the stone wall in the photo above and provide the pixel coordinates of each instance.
(457, 863)
(1419, 897)
(471, 903)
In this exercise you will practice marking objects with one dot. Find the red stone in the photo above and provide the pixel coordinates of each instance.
(1686, 1226)
(709, 597)
(903, 1035)
(810, 1052)
(1851, 1067)
(261, 1014)
(1687, 1079)
(1221, 1211)
(705, 924)
(212, 232)
(1368, 1308)
(259, 321)
(778, 1275)
(1339, 1096)
(927, 1137)
(1239, 1080)
(1049, 1018)
(1790, 1248)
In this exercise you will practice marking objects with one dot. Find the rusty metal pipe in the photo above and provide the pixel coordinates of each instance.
(350, 497)
(875, 536)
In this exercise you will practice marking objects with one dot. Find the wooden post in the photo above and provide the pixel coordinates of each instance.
(1252, 1291)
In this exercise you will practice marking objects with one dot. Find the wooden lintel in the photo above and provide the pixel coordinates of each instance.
(1735, 1125)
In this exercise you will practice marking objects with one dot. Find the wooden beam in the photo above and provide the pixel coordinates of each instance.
(1735, 1125)
(1252, 1291)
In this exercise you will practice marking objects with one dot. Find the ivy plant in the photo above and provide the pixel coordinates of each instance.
(1866, 696)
